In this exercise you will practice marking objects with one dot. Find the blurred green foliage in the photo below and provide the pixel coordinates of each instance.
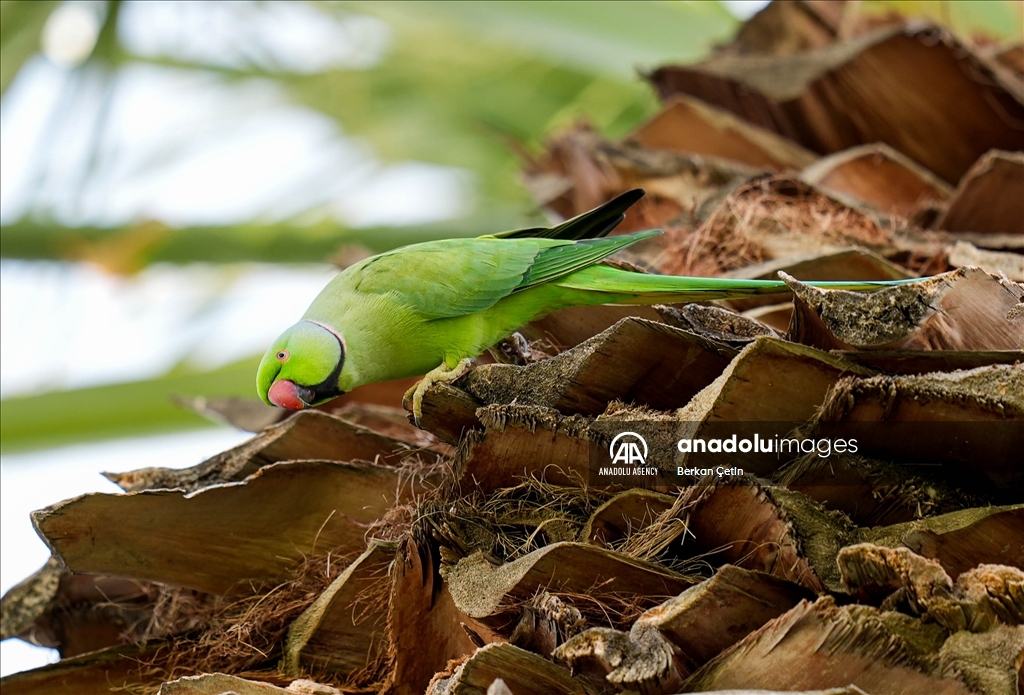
(466, 79)
(21, 24)
(117, 410)
(129, 248)
(1001, 20)
(460, 83)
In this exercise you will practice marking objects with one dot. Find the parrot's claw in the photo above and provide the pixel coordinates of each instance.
(439, 375)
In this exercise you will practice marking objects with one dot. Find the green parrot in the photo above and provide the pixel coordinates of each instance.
(430, 308)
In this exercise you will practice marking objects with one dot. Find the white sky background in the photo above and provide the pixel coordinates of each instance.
(237, 150)
(744, 9)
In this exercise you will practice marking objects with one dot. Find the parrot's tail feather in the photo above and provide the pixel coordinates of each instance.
(592, 224)
(640, 288)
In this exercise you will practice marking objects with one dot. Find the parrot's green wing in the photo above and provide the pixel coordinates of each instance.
(452, 277)
(558, 261)
(590, 225)
(455, 277)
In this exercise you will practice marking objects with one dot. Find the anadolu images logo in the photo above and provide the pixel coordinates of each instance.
(627, 451)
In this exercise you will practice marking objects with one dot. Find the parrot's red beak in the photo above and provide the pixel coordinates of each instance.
(285, 394)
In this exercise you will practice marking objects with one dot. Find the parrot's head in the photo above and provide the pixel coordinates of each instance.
(303, 367)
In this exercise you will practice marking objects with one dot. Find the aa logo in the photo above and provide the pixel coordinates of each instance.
(628, 448)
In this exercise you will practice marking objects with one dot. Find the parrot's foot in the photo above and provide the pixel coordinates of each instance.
(439, 375)
(515, 349)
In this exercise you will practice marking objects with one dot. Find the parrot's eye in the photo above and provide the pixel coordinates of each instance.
(282, 356)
